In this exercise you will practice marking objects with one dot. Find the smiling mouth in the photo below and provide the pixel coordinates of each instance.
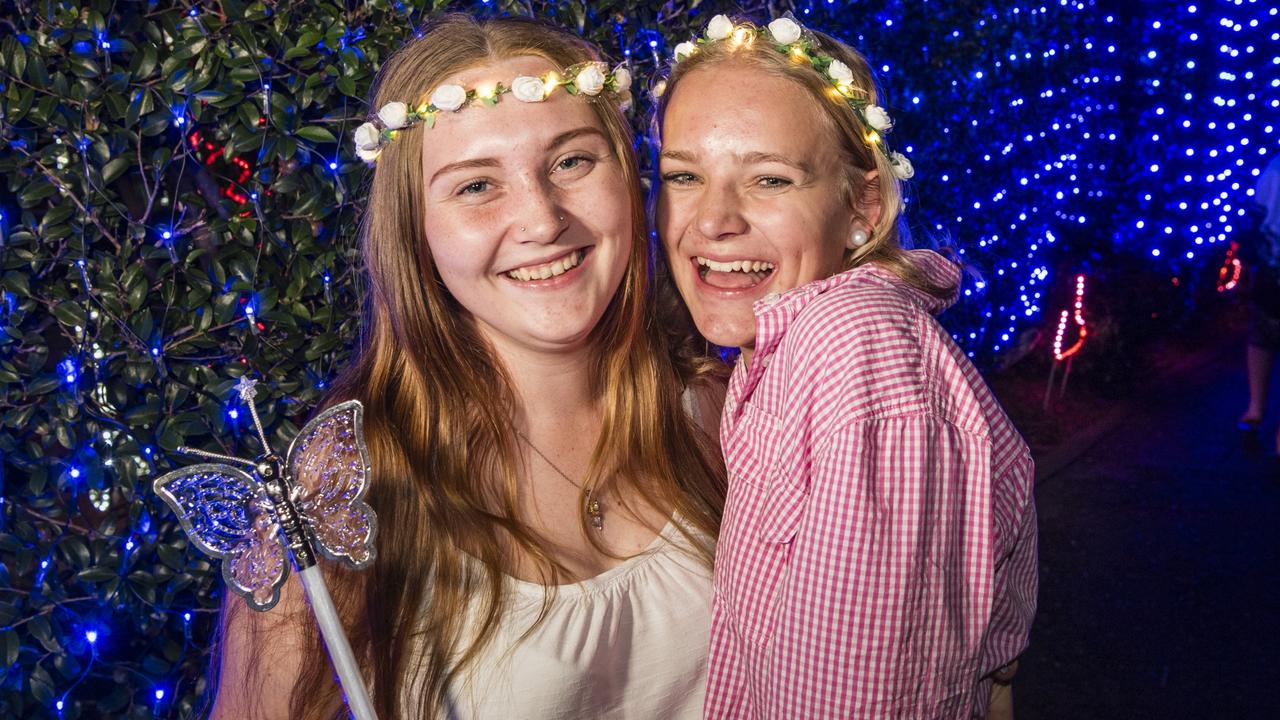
(545, 271)
(733, 274)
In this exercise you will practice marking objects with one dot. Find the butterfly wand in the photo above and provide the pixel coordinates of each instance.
(285, 512)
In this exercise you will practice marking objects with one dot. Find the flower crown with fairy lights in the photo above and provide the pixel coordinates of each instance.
(589, 78)
(788, 37)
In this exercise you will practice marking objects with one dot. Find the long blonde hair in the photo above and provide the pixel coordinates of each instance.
(858, 158)
(439, 407)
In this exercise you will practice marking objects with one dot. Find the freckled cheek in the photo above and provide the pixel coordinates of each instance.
(459, 250)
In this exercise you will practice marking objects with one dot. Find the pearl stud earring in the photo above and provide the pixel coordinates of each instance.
(858, 238)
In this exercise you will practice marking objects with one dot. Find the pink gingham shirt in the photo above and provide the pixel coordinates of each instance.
(878, 553)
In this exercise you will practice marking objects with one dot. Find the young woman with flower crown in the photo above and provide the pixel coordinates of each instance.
(546, 504)
(878, 552)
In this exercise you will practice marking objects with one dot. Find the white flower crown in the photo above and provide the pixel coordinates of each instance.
(789, 38)
(590, 78)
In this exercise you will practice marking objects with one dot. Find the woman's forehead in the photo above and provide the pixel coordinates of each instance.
(729, 97)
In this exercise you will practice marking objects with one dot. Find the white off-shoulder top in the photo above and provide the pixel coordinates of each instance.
(631, 642)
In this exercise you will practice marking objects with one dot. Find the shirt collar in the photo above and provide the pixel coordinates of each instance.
(775, 312)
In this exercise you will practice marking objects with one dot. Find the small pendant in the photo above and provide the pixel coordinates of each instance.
(594, 514)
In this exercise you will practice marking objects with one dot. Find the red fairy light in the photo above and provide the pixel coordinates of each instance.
(1229, 273)
(212, 153)
(1078, 316)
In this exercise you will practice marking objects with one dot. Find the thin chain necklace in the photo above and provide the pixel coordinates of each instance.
(595, 514)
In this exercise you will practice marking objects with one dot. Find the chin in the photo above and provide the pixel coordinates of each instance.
(727, 334)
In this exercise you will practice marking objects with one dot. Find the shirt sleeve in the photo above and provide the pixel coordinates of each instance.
(1016, 570)
(910, 546)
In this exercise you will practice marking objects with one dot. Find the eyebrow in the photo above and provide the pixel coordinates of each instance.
(751, 158)
(464, 165)
(574, 134)
(556, 142)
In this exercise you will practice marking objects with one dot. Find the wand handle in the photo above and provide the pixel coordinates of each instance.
(335, 639)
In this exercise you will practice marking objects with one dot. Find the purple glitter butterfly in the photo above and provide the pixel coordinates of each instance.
(252, 522)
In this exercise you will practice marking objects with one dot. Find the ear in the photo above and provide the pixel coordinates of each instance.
(866, 200)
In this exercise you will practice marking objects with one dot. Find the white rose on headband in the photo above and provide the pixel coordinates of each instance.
(659, 88)
(784, 30)
(394, 115)
(369, 156)
(367, 137)
(528, 89)
(621, 79)
(877, 118)
(840, 72)
(719, 28)
(449, 97)
(901, 166)
(684, 50)
(590, 80)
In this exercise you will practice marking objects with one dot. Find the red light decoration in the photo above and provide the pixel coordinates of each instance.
(1058, 352)
(1075, 315)
(1229, 273)
(212, 154)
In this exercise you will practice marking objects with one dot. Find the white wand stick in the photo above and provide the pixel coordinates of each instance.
(335, 639)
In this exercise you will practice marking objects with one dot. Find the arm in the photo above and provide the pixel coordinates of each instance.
(1016, 584)
(260, 657)
(913, 546)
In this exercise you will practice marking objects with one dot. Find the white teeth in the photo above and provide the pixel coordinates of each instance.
(734, 265)
(548, 270)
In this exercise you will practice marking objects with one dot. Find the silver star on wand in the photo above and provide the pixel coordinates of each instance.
(247, 389)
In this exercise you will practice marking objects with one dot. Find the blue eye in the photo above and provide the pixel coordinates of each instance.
(573, 162)
(773, 181)
(474, 188)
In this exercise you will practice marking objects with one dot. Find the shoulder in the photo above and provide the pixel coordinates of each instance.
(703, 399)
(859, 317)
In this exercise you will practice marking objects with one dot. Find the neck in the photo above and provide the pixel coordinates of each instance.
(553, 389)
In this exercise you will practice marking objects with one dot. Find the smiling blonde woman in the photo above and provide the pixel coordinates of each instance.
(878, 555)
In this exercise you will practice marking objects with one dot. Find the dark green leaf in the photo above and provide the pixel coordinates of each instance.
(112, 169)
(41, 630)
(95, 574)
(316, 134)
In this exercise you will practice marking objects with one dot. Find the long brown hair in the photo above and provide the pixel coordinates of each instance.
(439, 407)
(858, 157)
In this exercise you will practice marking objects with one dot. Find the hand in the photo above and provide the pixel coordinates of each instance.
(1001, 705)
